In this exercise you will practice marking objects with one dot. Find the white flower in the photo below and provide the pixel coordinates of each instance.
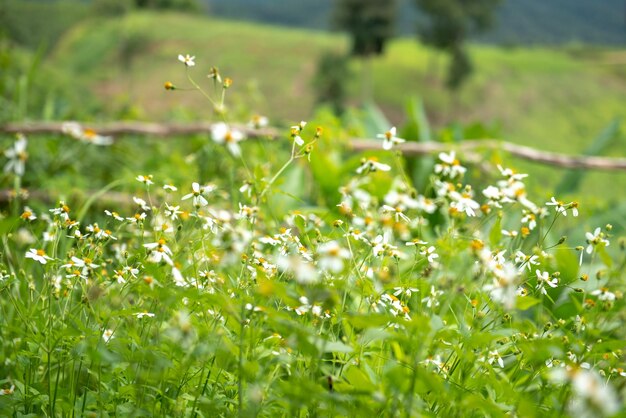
(222, 134)
(140, 315)
(137, 217)
(187, 60)
(107, 335)
(160, 252)
(397, 211)
(389, 139)
(304, 272)
(332, 256)
(248, 212)
(450, 166)
(494, 195)
(558, 205)
(504, 288)
(17, 157)
(171, 211)
(371, 164)
(408, 291)
(298, 140)
(596, 239)
(197, 194)
(114, 215)
(526, 260)
(464, 203)
(258, 121)
(141, 203)
(495, 356)
(561, 207)
(543, 278)
(76, 262)
(8, 391)
(529, 218)
(379, 245)
(99, 233)
(604, 294)
(590, 390)
(430, 254)
(76, 131)
(147, 180)
(296, 129)
(431, 299)
(28, 214)
(38, 255)
(179, 280)
(169, 188)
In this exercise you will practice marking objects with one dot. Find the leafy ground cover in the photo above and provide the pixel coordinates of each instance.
(291, 278)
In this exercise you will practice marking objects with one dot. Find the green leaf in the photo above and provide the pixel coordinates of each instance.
(374, 121)
(571, 181)
(367, 321)
(495, 235)
(526, 302)
(604, 256)
(567, 264)
(358, 379)
(94, 197)
(418, 129)
(8, 225)
(334, 347)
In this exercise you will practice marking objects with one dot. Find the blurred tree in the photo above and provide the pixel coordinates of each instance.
(330, 81)
(111, 7)
(449, 23)
(370, 24)
(191, 5)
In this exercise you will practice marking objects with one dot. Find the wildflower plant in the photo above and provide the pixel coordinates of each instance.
(206, 297)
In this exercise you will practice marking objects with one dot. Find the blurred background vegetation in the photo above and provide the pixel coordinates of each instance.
(551, 75)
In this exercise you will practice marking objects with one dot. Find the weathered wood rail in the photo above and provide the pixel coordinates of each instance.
(409, 148)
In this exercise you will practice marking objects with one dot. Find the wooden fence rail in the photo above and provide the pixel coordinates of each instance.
(409, 148)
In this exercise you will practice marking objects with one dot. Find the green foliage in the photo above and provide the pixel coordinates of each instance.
(39, 23)
(121, 7)
(111, 7)
(186, 5)
(521, 23)
(330, 82)
(572, 180)
(29, 89)
(370, 24)
(450, 23)
(290, 277)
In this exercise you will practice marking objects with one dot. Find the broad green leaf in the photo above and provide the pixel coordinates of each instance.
(495, 235)
(358, 379)
(374, 121)
(8, 225)
(571, 181)
(604, 256)
(526, 302)
(567, 264)
(334, 347)
(418, 129)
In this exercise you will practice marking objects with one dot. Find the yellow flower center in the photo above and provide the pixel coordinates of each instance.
(89, 133)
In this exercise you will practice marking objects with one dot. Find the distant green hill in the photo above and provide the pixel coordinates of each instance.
(570, 93)
(519, 21)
